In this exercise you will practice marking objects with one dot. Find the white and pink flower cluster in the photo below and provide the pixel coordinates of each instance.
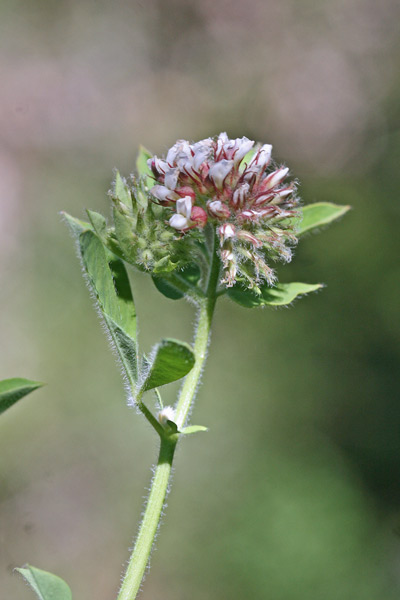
(230, 183)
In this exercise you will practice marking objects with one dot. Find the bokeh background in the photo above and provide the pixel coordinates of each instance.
(294, 493)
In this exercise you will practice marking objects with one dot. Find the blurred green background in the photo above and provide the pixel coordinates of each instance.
(294, 494)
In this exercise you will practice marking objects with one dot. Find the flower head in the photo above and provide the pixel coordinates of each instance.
(232, 185)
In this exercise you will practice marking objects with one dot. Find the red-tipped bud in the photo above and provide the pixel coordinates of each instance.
(198, 217)
(226, 231)
(218, 209)
(246, 236)
(186, 190)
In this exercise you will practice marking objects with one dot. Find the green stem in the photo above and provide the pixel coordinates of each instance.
(159, 486)
(149, 525)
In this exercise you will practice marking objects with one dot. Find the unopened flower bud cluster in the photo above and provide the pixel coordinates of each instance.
(231, 184)
(141, 234)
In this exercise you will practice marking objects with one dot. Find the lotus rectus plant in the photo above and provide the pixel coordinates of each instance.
(209, 219)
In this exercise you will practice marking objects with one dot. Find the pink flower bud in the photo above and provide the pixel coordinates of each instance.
(226, 231)
(198, 217)
(246, 236)
(274, 178)
(216, 208)
(186, 190)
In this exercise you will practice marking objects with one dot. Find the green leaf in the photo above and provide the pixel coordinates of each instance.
(193, 429)
(109, 282)
(76, 226)
(176, 285)
(280, 295)
(142, 167)
(12, 390)
(46, 585)
(99, 223)
(167, 288)
(319, 214)
(121, 191)
(171, 361)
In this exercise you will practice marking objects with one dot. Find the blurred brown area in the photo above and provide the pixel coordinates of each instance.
(295, 491)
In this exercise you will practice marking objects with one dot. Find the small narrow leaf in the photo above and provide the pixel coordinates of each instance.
(46, 585)
(142, 167)
(193, 429)
(319, 214)
(121, 191)
(280, 295)
(109, 282)
(76, 226)
(12, 390)
(172, 360)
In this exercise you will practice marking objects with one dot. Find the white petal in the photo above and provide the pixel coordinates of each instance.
(244, 146)
(227, 231)
(184, 161)
(206, 143)
(163, 193)
(178, 222)
(239, 195)
(184, 206)
(219, 171)
(215, 205)
(221, 142)
(159, 165)
(262, 157)
(276, 178)
(171, 178)
(180, 147)
(200, 156)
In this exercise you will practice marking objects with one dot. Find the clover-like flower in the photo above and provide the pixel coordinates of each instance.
(233, 185)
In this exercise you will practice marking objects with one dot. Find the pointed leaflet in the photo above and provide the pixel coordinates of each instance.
(109, 282)
(280, 295)
(76, 226)
(319, 214)
(12, 390)
(121, 190)
(46, 585)
(193, 429)
(142, 167)
(172, 361)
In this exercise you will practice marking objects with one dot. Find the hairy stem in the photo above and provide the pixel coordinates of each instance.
(149, 525)
(159, 486)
